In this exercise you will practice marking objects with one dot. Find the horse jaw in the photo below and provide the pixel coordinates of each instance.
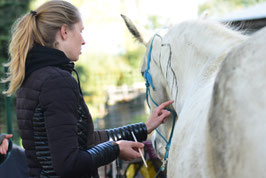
(139, 32)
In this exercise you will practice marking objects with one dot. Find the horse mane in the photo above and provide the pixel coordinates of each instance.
(198, 48)
(201, 41)
(207, 33)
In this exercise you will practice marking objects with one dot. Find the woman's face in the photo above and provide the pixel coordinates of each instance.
(73, 42)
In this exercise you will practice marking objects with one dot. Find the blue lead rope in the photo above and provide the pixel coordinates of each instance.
(147, 75)
(149, 83)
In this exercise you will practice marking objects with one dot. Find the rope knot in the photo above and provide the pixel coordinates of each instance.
(147, 84)
(148, 79)
(167, 147)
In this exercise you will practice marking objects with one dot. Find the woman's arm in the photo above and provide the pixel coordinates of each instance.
(141, 130)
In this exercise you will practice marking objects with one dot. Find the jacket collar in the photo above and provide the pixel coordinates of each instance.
(40, 56)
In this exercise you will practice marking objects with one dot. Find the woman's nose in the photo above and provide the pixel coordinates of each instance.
(83, 41)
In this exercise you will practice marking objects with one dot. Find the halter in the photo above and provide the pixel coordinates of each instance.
(149, 83)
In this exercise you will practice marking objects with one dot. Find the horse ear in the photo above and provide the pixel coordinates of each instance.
(141, 34)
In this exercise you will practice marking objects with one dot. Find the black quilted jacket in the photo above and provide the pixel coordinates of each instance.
(50, 85)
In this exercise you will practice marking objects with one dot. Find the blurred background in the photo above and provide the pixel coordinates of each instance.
(109, 66)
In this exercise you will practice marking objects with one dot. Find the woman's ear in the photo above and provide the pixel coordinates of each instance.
(64, 32)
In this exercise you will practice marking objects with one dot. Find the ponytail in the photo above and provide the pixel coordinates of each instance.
(20, 44)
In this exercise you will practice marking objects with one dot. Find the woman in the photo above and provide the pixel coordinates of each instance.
(55, 125)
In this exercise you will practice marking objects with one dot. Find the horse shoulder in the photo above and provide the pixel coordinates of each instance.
(237, 127)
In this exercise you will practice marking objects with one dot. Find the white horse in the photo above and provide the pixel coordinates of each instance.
(221, 126)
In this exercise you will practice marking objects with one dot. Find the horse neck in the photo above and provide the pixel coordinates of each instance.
(198, 49)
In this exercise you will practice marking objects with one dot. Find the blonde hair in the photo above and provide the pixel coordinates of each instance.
(40, 27)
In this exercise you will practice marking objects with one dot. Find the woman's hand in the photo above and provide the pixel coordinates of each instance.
(4, 145)
(158, 116)
(129, 150)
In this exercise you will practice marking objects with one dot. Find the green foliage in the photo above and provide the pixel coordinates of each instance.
(140, 118)
(103, 71)
(133, 57)
(218, 7)
(10, 10)
(154, 22)
(98, 72)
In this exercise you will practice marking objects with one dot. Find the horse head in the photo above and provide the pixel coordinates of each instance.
(157, 86)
